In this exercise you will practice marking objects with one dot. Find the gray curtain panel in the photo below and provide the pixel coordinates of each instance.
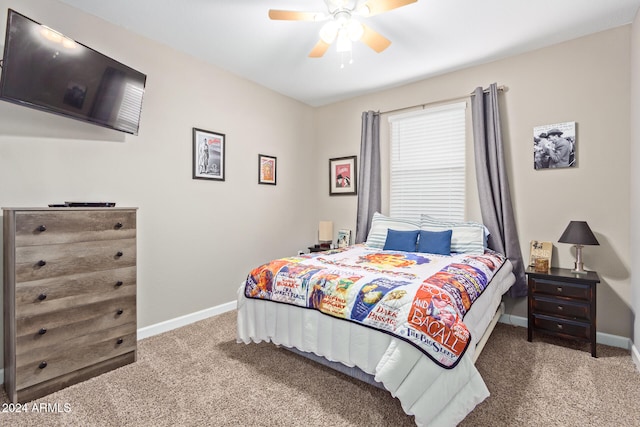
(493, 183)
(369, 193)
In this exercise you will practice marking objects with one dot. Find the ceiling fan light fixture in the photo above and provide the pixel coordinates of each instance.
(343, 43)
(355, 30)
(329, 31)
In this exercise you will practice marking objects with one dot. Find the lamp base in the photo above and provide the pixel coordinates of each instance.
(574, 271)
(579, 265)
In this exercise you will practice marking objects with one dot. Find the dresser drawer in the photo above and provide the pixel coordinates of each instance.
(562, 308)
(40, 262)
(58, 293)
(562, 326)
(561, 289)
(34, 228)
(73, 356)
(73, 321)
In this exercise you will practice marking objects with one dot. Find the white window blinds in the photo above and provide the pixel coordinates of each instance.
(428, 163)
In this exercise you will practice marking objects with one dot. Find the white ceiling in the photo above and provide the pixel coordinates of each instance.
(428, 38)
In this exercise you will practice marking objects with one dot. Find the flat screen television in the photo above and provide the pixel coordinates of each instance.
(45, 70)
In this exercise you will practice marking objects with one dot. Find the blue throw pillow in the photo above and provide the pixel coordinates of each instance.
(401, 240)
(435, 242)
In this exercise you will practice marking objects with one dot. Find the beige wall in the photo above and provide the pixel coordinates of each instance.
(584, 80)
(197, 239)
(634, 159)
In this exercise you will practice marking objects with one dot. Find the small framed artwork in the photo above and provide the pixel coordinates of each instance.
(554, 146)
(540, 255)
(344, 238)
(208, 154)
(266, 169)
(342, 176)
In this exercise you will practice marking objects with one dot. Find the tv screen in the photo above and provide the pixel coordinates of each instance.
(43, 69)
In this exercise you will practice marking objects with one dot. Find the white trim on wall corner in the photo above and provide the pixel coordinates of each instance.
(635, 356)
(601, 337)
(168, 325)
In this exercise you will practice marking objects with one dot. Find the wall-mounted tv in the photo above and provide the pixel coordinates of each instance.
(43, 69)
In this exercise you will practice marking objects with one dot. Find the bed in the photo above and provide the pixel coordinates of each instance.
(410, 321)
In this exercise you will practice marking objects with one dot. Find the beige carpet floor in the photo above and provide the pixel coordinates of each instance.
(199, 376)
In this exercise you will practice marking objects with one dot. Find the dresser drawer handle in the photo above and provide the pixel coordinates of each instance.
(119, 283)
(42, 365)
(42, 297)
(120, 341)
(119, 312)
(118, 225)
(559, 288)
(559, 326)
(41, 263)
(560, 308)
(42, 228)
(119, 254)
(42, 331)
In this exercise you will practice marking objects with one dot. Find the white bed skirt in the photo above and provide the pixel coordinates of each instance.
(434, 395)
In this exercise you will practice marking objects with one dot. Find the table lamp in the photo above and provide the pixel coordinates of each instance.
(578, 233)
(325, 234)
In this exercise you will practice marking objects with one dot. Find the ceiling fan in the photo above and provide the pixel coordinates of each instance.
(341, 26)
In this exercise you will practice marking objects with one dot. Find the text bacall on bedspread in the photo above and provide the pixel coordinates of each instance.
(419, 298)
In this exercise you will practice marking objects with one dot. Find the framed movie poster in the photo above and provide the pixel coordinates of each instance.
(266, 169)
(554, 146)
(342, 176)
(208, 154)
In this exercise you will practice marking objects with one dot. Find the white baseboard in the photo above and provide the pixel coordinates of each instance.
(635, 356)
(168, 325)
(601, 337)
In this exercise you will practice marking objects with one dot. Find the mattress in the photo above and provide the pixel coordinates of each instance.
(434, 395)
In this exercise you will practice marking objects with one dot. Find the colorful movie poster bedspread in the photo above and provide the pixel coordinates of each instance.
(420, 298)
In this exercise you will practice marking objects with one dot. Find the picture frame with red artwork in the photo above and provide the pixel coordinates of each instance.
(343, 174)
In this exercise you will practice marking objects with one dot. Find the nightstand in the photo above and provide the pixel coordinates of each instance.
(317, 249)
(563, 303)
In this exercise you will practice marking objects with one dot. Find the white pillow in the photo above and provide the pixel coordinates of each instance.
(466, 237)
(380, 224)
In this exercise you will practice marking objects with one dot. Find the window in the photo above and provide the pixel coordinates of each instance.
(427, 169)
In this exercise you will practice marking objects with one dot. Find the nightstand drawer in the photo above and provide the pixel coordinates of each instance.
(561, 289)
(562, 308)
(561, 326)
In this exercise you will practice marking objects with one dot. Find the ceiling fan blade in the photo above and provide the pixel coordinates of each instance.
(378, 6)
(374, 39)
(290, 15)
(319, 49)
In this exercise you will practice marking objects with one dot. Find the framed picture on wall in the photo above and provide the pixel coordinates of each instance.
(208, 154)
(554, 146)
(266, 169)
(342, 176)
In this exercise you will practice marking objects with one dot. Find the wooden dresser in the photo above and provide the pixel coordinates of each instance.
(69, 296)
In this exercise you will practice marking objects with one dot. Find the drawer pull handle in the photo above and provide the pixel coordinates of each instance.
(42, 365)
(42, 331)
(119, 254)
(42, 228)
(42, 297)
(559, 288)
(119, 283)
(560, 308)
(42, 263)
(118, 225)
(120, 341)
(119, 312)
(559, 326)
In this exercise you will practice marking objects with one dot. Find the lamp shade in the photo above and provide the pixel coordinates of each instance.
(325, 231)
(578, 233)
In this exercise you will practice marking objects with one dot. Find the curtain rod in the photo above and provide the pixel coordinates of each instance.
(457, 98)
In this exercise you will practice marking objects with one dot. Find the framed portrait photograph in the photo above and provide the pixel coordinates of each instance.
(342, 176)
(344, 238)
(208, 154)
(266, 169)
(554, 146)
